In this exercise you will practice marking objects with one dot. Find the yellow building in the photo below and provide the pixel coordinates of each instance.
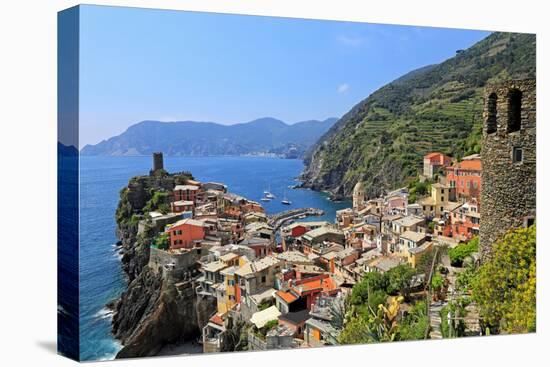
(434, 205)
(228, 293)
(415, 254)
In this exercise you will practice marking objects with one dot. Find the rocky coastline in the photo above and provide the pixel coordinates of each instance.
(155, 310)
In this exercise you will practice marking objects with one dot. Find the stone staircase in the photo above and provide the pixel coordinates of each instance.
(435, 319)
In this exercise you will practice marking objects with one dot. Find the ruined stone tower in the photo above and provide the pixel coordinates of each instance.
(158, 162)
(508, 154)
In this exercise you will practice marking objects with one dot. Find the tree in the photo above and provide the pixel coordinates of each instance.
(370, 283)
(463, 250)
(400, 279)
(162, 241)
(380, 325)
(505, 286)
(413, 326)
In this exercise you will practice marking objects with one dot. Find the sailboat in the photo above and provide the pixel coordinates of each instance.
(285, 200)
(268, 193)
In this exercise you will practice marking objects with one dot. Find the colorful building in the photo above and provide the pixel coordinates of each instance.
(434, 205)
(186, 193)
(182, 206)
(465, 178)
(433, 162)
(186, 233)
(465, 221)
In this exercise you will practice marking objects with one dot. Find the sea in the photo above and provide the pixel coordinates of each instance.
(102, 178)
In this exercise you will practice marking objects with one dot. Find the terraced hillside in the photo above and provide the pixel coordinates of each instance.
(382, 140)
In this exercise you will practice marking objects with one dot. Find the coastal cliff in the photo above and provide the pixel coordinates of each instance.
(155, 309)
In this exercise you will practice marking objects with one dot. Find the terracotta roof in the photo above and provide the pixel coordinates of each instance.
(288, 297)
(217, 319)
(432, 155)
(326, 284)
(468, 165)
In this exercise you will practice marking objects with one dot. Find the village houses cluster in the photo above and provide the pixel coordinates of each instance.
(280, 278)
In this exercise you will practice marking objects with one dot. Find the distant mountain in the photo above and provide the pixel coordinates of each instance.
(381, 140)
(191, 138)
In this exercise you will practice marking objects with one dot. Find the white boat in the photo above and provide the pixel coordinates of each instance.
(268, 193)
(265, 198)
(285, 200)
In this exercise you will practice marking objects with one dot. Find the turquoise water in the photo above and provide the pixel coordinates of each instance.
(101, 179)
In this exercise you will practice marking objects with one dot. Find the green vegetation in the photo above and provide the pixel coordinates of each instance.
(124, 210)
(373, 313)
(399, 280)
(418, 189)
(162, 241)
(414, 325)
(382, 140)
(505, 286)
(264, 305)
(462, 251)
(160, 201)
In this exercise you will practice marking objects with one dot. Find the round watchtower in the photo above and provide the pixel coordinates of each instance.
(508, 156)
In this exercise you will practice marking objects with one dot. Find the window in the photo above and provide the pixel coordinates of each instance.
(263, 278)
(517, 155)
(492, 113)
(441, 209)
(514, 111)
(528, 221)
(442, 191)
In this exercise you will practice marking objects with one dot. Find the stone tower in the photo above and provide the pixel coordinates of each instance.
(359, 196)
(158, 162)
(508, 155)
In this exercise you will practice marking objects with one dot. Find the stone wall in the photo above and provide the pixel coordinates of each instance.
(182, 262)
(508, 194)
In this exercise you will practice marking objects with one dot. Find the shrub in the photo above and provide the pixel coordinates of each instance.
(463, 250)
(505, 287)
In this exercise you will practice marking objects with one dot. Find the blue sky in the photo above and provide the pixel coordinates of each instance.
(139, 64)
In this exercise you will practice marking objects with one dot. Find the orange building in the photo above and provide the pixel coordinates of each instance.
(185, 233)
(433, 162)
(465, 178)
(311, 288)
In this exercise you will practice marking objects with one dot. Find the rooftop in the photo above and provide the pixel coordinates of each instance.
(413, 236)
(471, 164)
(286, 296)
(229, 256)
(346, 252)
(307, 224)
(183, 202)
(296, 317)
(214, 266)
(420, 249)
(229, 271)
(188, 221)
(185, 187)
(263, 295)
(259, 319)
(293, 256)
(409, 220)
(385, 263)
(314, 233)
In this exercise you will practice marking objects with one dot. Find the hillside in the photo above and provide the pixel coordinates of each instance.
(382, 139)
(190, 138)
